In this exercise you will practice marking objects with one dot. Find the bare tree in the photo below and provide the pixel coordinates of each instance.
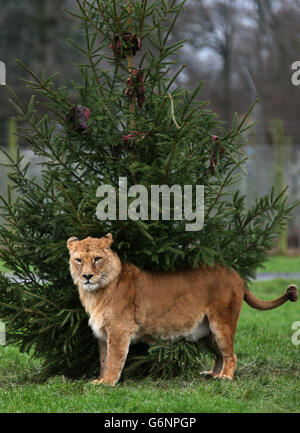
(214, 26)
(35, 32)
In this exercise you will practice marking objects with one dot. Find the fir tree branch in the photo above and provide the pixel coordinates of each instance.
(93, 67)
(180, 7)
(130, 68)
(103, 15)
(21, 174)
(144, 6)
(86, 18)
(171, 155)
(26, 310)
(71, 203)
(116, 17)
(172, 111)
(223, 184)
(42, 298)
(175, 76)
(51, 94)
(47, 143)
(247, 114)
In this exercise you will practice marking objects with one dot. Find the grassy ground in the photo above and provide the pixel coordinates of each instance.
(267, 377)
(281, 264)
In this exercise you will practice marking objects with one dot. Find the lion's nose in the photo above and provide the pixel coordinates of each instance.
(87, 277)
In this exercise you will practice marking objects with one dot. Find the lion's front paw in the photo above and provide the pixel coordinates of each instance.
(104, 382)
(222, 376)
(97, 381)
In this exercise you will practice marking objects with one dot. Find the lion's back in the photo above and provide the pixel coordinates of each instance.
(182, 297)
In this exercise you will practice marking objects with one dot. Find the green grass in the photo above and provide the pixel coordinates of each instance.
(267, 378)
(281, 264)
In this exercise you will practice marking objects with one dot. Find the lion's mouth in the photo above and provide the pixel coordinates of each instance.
(102, 281)
(90, 286)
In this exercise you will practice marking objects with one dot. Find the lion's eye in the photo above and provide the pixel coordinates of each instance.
(97, 259)
(78, 260)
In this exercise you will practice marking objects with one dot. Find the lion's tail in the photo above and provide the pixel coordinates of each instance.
(290, 294)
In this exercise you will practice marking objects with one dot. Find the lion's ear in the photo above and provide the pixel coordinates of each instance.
(70, 242)
(107, 240)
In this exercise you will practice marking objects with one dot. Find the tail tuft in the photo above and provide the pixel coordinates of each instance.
(292, 293)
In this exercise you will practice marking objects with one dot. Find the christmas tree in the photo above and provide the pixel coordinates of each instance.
(128, 118)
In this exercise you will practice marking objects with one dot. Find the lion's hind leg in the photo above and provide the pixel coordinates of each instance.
(210, 343)
(224, 336)
(222, 323)
(225, 364)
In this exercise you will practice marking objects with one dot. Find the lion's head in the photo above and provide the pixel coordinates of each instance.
(93, 264)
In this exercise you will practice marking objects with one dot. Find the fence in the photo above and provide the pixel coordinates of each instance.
(262, 171)
(268, 165)
(8, 141)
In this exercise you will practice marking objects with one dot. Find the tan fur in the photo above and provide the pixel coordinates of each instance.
(126, 304)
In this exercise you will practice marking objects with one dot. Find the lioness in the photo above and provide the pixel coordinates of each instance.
(126, 304)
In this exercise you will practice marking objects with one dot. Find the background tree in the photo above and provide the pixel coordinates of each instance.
(215, 31)
(225, 37)
(133, 121)
(260, 35)
(35, 31)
